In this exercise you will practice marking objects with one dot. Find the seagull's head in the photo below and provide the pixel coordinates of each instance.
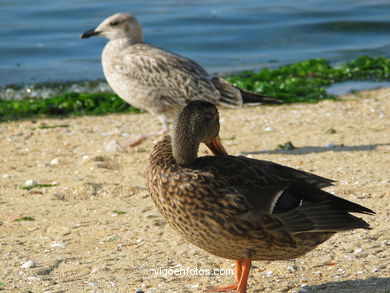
(118, 26)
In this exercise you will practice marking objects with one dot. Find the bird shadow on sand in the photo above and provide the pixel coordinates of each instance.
(319, 149)
(370, 285)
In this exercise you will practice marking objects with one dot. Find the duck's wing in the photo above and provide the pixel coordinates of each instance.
(281, 199)
(177, 79)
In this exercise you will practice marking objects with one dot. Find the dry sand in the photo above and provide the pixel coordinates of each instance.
(79, 244)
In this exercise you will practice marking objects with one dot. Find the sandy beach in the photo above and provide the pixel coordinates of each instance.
(97, 230)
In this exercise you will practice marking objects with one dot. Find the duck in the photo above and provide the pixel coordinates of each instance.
(157, 80)
(241, 208)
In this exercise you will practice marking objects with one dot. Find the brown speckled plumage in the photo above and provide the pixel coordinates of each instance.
(241, 208)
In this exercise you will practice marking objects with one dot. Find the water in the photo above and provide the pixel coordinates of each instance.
(40, 41)
(343, 88)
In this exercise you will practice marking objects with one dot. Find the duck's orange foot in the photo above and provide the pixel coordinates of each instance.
(231, 287)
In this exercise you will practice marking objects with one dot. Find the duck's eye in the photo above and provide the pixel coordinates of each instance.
(114, 23)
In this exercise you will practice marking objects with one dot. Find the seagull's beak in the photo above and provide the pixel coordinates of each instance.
(90, 33)
(216, 147)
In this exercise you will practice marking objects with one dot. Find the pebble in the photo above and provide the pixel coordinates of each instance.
(270, 273)
(28, 264)
(358, 250)
(341, 271)
(6, 176)
(329, 145)
(292, 268)
(86, 157)
(59, 244)
(195, 286)
(30, 183)
(54, 161)
(31, 278)
(112, 146)
(269, 129)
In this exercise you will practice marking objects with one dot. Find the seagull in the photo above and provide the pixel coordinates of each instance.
(156, 80)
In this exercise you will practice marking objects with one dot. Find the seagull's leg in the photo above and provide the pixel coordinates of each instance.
(142, 137)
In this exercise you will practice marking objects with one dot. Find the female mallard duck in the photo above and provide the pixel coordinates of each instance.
(240, 208)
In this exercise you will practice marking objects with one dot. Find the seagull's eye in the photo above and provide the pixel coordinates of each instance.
(114, 23)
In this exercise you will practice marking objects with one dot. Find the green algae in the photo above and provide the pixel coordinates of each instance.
(304, 81)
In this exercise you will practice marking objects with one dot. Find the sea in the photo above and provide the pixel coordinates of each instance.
(40, 40)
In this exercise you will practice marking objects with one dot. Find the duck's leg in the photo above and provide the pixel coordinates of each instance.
(241, 273)
(245, 268)
(142, 137)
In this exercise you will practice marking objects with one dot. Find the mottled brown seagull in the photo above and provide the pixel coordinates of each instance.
(156, 80)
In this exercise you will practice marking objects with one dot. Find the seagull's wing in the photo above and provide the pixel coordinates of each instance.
(176, 79)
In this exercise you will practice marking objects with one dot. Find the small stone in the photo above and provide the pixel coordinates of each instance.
(31, 278)
(54, 161)
(99, 158)
(287, 146)
(6, 176)
(112, 146)
(28, 264)
(292, 268)
(341, 271)
(358, 250)
(59, 244)
(270, 273)
(140, 150)
(30, 183)
(269, 129)
(331, 131)
(329, 145)
(102, 165)
(86, 157)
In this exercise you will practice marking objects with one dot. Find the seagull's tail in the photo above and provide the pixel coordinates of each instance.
(253, 98)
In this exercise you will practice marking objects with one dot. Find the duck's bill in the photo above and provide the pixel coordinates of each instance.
(216, 147)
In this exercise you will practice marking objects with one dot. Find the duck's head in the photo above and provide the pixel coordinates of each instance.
(118, 26)
(198, 122)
